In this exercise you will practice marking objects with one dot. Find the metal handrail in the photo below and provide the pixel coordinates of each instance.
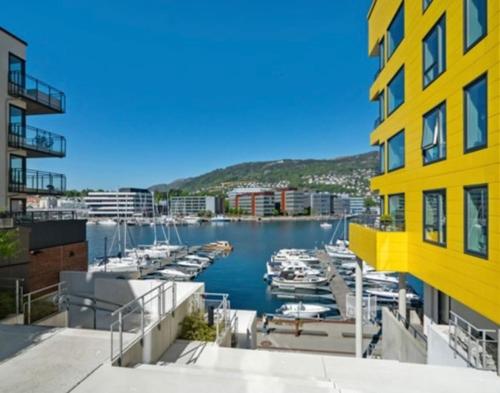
(34, 89)
(18, 287)
(31, 298)
(138, 304)
(33, 138)
(466, 338)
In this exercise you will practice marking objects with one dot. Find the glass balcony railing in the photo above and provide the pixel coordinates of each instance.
(41, 97)
(31, 181)
(38, 143)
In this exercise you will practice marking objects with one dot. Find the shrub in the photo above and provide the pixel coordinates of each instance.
(194, 327)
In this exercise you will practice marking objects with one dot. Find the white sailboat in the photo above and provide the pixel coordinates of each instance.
(341, 247)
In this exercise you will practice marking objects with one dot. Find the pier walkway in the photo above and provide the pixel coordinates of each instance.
(337, 284)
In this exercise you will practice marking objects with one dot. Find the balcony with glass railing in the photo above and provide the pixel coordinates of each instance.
(31, 181)
(383, 246)
(40, 97)
(36, 142)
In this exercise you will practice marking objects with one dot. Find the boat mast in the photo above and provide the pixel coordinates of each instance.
(155, 242)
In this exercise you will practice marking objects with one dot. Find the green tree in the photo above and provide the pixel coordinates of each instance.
(9, 243)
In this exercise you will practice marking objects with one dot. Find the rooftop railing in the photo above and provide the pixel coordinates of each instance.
(47, 98)
(377, 222)
(36, 182)
(30, 217)
(43, 142)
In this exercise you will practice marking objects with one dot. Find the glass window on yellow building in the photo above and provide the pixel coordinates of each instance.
(434, 134)
(435, 217)
(475, 22)
(475, 114)
(434, 47)
(397, 211)
(476, 220)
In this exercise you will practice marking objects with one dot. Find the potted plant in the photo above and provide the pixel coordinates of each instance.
(386, 222)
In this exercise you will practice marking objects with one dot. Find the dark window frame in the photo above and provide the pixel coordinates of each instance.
(389, 196)
(442, 103)
(389, 112)
(480, 38)
(400, 8)
(388, 169)
(466, 221)
(441, 191)
(23, 70)
(465, 118)
(425, 7)
(442, 19)
(382, 158)
(382, 205)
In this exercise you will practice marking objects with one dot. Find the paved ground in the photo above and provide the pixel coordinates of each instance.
(335, 337)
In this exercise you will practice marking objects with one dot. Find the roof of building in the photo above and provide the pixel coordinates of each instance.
(2, 29)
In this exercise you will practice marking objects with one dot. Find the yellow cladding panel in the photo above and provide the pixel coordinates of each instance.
(472, 280)
(385, 251)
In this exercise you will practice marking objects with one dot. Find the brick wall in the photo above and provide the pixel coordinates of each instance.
(46, 264)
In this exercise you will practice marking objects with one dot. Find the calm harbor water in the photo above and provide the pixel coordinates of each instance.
(240, 274)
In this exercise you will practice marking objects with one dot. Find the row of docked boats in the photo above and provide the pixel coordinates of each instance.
(297, 272)
(158, 220)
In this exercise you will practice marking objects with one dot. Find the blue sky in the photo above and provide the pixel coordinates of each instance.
(159, 90)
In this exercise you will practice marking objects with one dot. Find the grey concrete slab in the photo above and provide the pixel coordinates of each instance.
(17, 338)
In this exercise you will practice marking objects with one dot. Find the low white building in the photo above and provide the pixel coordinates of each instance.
(126, 202)
(194, 204)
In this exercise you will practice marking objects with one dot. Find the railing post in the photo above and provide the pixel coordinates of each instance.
(29, 308)
(142, 320)
(17, 298)
(111, 345)
(468, 345)
(120, 337)
(174, 298)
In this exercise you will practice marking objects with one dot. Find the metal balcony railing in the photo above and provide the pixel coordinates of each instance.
(40, 93)
(30, 217)
(41, 142)
(478, 347)
(31, 181)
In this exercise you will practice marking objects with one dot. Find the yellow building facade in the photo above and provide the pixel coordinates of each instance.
(438, 132)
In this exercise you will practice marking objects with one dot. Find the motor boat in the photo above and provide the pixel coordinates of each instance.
(391, 295)
(302, 310)
(339, 250)
(220, 245)
(192, 220)
(275, 269)
(298, 281)
(325, 225)
(381, 277)
(191, 264)
(107, 222)
(220, 218)
(199, 258)
(171, 272)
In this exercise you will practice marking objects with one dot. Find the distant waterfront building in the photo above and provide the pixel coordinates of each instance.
(259, 204)
(192, 205)
(289, 201)
(356, 205)
(320, 203)
(126, 202)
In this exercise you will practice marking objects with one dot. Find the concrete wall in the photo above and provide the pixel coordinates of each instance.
(56, 320)
(398, 343)
(438, 350)
(158, 339)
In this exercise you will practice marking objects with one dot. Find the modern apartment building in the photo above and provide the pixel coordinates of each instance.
(193, 204)
(258, 204)
(47, 244)
(438, 133)
(290, 201)
(320, 203)
(126, 202)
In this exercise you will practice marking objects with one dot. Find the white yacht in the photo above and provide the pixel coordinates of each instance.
(192, 220)
(107, 222)
(302, 310)
(220, 218)
(390, 295)
(380, 277)
(325, 225)
(299, 281)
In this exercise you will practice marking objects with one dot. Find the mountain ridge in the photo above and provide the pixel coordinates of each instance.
(348, 174)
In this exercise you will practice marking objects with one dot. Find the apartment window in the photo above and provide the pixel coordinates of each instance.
(435, 217)
(396, 91)
(476, 220)
(435, 52)
(426, 3)
(382, 205)
(16, 70)
(381, 54)
(397, 211)
(475, 21)
(17, 165)
(396, 151)
(381, 106)
(434, 135)
(475, 114)
(396, 31)
(17, 120)
(381, 158)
